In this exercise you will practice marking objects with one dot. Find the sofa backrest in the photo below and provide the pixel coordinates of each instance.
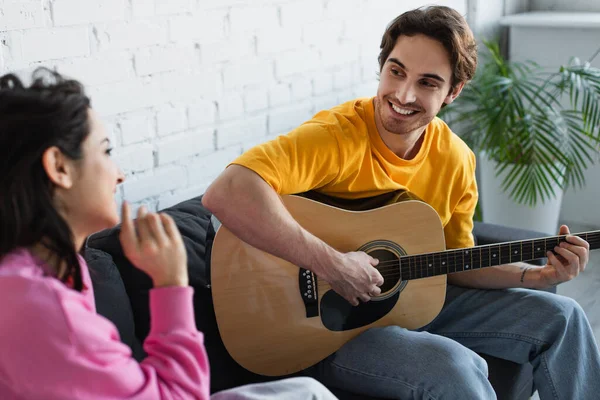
(197, 227)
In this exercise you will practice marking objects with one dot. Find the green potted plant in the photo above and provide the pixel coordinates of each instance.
(535, 130)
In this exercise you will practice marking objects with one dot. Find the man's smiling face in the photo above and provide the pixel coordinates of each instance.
(415, 82)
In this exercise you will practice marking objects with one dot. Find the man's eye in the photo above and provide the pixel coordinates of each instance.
(108, 151)
(428, 84)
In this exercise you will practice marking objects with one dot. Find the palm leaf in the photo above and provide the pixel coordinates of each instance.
(516, 113)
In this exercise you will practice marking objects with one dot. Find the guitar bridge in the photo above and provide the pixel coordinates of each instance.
(308, 290)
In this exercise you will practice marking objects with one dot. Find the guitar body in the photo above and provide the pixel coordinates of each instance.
(266, 319)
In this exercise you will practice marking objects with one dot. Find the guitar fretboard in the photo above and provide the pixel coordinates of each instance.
(448, 261)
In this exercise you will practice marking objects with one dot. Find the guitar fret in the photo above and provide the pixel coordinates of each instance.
(429, 265)
(504, 254)
(455, 261)
(444, 263)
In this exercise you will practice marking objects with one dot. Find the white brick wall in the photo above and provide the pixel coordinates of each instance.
(184, 86)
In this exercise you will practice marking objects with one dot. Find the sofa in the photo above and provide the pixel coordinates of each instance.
(121, 292)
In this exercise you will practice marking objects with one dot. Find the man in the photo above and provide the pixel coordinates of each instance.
(394, 141)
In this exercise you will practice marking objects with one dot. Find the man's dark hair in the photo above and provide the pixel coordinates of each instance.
(442, 24)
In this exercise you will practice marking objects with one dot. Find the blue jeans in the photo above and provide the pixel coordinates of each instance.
(439, 361)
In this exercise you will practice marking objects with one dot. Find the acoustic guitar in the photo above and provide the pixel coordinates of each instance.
(277, 319)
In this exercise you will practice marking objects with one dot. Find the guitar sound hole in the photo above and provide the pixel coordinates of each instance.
(388, 267)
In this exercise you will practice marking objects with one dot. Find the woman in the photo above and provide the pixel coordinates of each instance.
(57, 182)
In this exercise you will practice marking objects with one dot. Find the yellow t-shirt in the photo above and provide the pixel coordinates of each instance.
(339, 153)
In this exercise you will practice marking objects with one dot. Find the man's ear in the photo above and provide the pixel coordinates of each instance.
(454, 92)
(58, 167)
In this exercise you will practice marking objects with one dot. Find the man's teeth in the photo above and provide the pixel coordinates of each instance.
(402, 111)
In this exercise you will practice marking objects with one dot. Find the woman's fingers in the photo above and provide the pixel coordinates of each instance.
(141, 224)
(157, 231)
(169, 227)
(128, 236)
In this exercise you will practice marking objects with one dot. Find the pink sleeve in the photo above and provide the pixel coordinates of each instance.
(75, 353)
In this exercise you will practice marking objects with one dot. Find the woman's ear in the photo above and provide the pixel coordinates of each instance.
(58, 167)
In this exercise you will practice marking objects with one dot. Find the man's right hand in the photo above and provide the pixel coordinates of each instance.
(353, 276)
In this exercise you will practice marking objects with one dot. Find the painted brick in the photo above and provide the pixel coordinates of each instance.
(99, 69)
(151, 60)
(171, 199)
(173, 7)
(131, 35)
(246, 72)
(185, 145)
(208, 167)
(231, 106)
(136, 158)
(318, 33)
(223, 3)
(301, 12)
(345, 77)
(238, 132)
(344, 9)
(236, 48)
(368, 89)
(369, 68)
(296, 61)
(182, 86)
(22, 15)
(142, 8)
(201, 112)
(247, 19)
(256, 99)
(154, 183)
(325, 102)
(124, 96)
(345, 95)
(323, 83)
(78, 12)
(301, 88)
(206, 26)
(135, 127)
(280, 95)
(339, 54)
(285, 119)
(251, 142)
(273, 41)
(11, 45)
(46, 44)
(170, 119)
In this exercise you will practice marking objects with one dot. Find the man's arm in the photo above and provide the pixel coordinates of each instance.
(253, 211)
(500, 277)
(571, 258)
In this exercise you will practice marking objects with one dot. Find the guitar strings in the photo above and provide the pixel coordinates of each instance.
(451, 259)
(393, 269)
(594, 242)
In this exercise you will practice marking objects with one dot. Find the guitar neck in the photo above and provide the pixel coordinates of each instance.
(449, 261)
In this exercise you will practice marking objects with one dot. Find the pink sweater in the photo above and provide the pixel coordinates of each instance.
(53, 345)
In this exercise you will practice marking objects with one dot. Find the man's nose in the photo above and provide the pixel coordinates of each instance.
(406, 94)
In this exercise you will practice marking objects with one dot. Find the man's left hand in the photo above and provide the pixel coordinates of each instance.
(570, 259)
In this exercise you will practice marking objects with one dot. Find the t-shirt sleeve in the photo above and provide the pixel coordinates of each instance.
(305, 159)
(459, 229)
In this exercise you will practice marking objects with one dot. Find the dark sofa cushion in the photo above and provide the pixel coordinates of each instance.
(111, 298)
(197, 230)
